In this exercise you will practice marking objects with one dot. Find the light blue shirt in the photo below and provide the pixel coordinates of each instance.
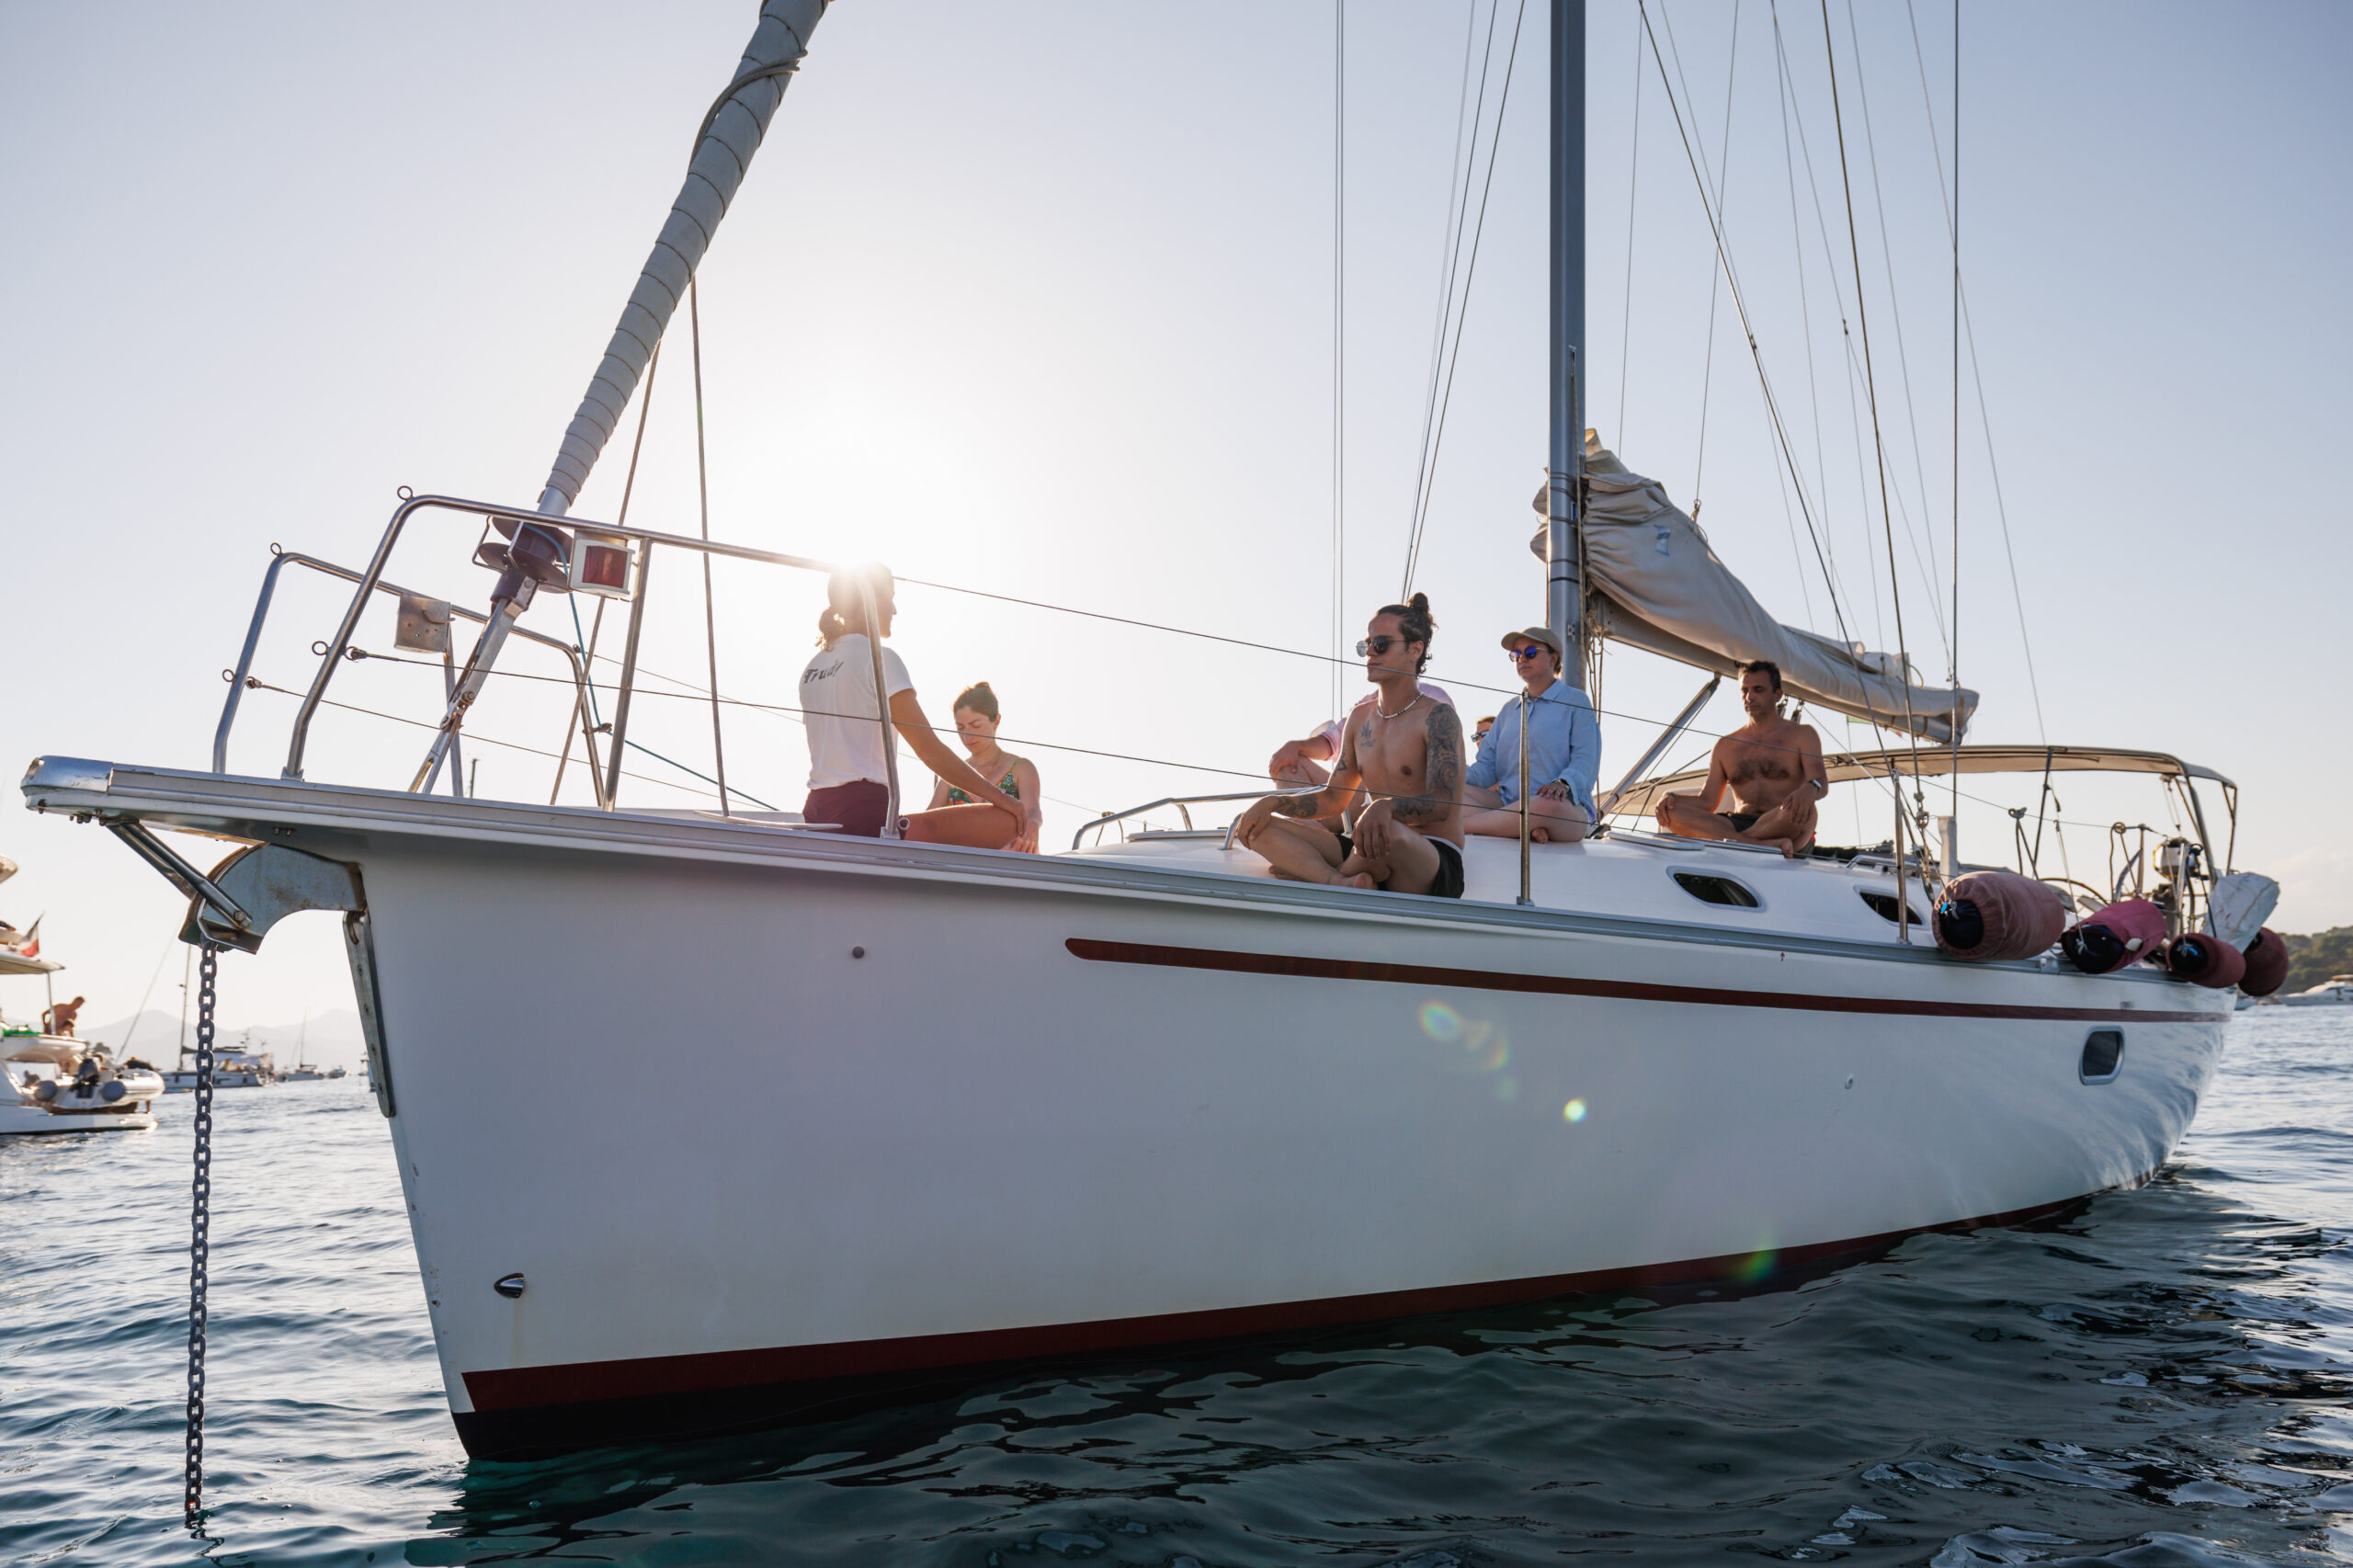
(1564, 743)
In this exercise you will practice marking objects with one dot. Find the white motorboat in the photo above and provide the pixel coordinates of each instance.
(2336, 991)
(237, 1066)
(55, 1082)
(1210, 1103)
(59, 1085)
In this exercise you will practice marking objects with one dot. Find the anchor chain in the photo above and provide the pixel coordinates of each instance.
(199, 1227)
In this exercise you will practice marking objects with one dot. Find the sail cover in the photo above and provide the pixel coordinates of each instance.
(1654, 582)
(723, 151)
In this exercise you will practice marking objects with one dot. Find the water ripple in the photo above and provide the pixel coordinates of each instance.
(2157, 1379)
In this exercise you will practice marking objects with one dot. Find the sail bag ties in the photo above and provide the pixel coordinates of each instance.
(732, 132)
(1655, 583)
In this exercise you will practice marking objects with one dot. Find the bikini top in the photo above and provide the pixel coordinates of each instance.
(1010, 784)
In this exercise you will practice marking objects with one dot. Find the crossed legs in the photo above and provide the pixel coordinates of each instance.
(1788, 826)
(1549, 821)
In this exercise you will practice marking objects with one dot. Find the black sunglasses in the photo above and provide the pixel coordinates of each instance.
(1372, 646)
(1527, 652)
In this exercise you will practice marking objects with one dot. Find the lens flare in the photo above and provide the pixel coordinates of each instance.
(1573, 1112)
(1483, 1047)
(1755, 1267)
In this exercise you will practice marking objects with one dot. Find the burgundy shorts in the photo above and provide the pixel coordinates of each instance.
(859, 806)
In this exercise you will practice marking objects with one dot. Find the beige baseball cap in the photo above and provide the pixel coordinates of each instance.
(1542, 634)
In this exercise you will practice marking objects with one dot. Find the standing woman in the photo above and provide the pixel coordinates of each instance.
(847, 769)
(976, 720)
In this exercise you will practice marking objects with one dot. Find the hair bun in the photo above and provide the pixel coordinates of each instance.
(1420, 602)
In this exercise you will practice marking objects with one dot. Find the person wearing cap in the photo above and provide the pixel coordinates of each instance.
(1563, 751)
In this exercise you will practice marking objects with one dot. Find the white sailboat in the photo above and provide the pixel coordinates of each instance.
(1212, 1103)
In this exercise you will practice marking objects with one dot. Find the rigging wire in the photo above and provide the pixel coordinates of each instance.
(1968, 335)
(1862, 319)
(1450, 251)
(703, 494)
(1740, 307)
(1903, 360)
(1339, 328)
(1633, 186)
(629, 488)
(1462, 311)
(1715, 278)
(1805, 319)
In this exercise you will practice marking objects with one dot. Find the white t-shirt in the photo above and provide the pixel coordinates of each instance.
(1332, 731)
(838, 707)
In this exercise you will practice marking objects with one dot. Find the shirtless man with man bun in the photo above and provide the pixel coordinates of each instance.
(1772, 763)
(1404, 754)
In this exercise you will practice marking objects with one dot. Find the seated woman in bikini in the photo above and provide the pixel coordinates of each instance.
(976, 714)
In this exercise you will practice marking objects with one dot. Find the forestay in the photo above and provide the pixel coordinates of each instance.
(1654, 582)
(729, 135)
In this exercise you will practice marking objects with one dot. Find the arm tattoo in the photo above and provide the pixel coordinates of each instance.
(1443, 772)
(1299, 806)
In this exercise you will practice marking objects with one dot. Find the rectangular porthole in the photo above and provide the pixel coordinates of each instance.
(1884, 906)
(2103, 1056)
(1717, 890)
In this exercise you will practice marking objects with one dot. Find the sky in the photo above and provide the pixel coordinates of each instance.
(1038, 300)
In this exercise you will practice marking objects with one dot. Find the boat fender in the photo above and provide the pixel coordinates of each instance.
(2115, 936)
(2204, 961)
(113, 1091)
(1989, 916)
(2267, 965)
(47, 1091)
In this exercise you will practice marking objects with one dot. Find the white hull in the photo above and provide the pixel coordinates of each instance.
(75, 1109)
(20, 1121)
(1075, 1103)
(181, 1083)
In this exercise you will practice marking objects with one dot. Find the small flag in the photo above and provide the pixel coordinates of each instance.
(31, 949)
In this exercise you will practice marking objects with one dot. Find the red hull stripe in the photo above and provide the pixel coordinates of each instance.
(525, 1388)
(1620, 990)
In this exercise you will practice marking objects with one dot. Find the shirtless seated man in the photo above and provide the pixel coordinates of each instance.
(1772, 763)
(1403, 754)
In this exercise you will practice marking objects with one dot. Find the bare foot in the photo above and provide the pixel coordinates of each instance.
(1362, 880)
(1538, 835)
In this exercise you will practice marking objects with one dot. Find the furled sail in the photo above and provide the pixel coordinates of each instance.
(1654, 582)
(729, 135)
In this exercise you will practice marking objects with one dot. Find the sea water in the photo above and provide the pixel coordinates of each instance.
(2157, 1378)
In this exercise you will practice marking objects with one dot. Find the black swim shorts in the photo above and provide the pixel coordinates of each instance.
(1449, 864)
(1742, 820)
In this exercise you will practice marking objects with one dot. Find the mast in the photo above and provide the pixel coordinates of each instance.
(1564, 487)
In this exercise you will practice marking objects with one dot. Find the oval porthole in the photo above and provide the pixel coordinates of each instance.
(1883, 905)
(1717, 890)
(2103, 1056)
